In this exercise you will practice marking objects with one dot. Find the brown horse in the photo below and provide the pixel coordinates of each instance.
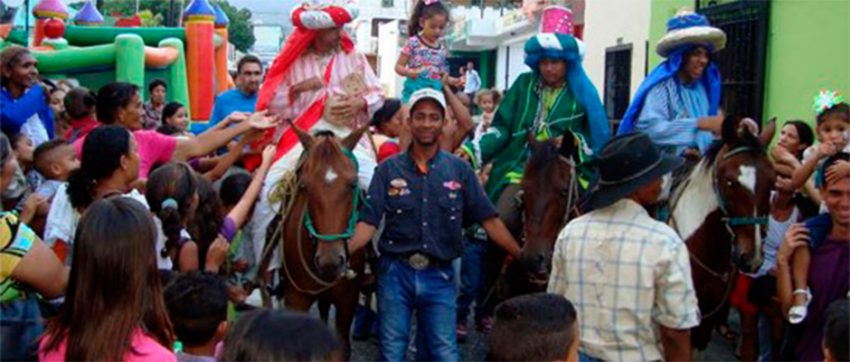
(548, 199)
(315, 263)
(721, 212)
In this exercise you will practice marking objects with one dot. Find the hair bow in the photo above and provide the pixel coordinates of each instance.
(825, 100)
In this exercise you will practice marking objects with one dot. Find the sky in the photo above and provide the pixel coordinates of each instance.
(268, 11)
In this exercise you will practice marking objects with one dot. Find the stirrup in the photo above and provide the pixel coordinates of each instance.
(798, 313)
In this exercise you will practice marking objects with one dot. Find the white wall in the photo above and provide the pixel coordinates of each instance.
(370, 9)
(605, 22)
(388, 52)
(511, 49)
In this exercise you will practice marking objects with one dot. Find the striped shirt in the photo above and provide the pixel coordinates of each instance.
(312, 65)
(670, 115)
(626, 273)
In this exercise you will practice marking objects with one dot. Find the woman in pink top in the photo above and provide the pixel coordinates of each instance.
(120, 103)
(113, 305)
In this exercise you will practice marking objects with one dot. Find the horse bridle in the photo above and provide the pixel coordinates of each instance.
(729, 223)
(316, 236)
(734, 221)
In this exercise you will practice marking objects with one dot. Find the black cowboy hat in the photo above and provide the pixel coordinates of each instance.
(626, 163)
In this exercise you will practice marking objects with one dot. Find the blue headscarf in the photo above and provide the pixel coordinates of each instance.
(537, 49)
(669, 68)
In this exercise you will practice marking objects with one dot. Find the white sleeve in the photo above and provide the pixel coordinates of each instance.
(62, 220)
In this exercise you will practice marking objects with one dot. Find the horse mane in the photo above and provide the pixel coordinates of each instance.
(697, 194)
(325, 149)
(694, 199)
(749, 140)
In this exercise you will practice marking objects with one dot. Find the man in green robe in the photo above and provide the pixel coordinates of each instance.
(554, 98)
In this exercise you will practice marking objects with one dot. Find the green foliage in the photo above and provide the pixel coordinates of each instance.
(240, 30)
(150, 20)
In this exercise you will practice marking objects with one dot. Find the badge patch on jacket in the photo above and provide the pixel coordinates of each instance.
(452, 185)
(398, 187)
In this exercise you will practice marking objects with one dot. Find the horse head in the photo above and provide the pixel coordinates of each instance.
(743, 180)
(549, 191)
(328, 178)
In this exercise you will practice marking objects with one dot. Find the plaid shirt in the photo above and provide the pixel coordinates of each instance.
(625, 272)
(152, 118)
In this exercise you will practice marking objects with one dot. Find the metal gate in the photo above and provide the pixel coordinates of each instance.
(618, 80)
(742, 62)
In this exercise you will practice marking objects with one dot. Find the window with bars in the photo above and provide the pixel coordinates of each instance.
(742, 62)
(618, 80)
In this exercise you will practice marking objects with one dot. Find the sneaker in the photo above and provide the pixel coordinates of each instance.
(485, 324)
(461, 333)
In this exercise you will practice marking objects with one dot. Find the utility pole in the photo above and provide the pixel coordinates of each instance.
(26, 23)
(171, 21)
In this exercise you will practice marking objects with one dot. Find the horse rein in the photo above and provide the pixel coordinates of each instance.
(572, 193)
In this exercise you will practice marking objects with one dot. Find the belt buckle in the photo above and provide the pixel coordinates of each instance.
(418, 261)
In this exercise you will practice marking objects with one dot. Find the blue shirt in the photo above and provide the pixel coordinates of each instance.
(425, 213)
(670, 115)
(231, 101)
(29, 114)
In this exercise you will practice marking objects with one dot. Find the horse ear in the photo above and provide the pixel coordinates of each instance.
(351, 140)
(729, 130)
(767, 132)
(568, 145)
(305, 138)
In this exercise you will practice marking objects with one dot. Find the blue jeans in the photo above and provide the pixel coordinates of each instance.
(365, 322)
(583, 357)
(765, 344)
(20, 327)
(431, 293)
(470, 276)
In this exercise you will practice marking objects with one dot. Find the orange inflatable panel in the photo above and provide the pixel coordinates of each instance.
(160, 57)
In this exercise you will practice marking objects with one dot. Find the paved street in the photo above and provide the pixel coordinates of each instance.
(475, 348)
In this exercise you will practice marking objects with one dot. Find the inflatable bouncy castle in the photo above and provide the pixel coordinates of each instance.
(191, 59)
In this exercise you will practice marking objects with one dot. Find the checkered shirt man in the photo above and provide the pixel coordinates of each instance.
(626, 273)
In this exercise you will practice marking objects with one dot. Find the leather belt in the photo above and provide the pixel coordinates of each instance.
(419, 261)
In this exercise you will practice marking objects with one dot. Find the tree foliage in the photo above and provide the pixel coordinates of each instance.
(240, 30)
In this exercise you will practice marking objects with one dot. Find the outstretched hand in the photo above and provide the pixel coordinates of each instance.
(262, 120)
(751, 125)
(268, 155)
(216, 254)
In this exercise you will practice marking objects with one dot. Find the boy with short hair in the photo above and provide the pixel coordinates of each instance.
(836, 331)
(534, 327)
(55, 160)
(197, 307)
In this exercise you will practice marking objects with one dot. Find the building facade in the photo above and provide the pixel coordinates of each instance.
(779, 53)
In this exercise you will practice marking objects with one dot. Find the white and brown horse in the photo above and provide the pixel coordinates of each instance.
(721, 212)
